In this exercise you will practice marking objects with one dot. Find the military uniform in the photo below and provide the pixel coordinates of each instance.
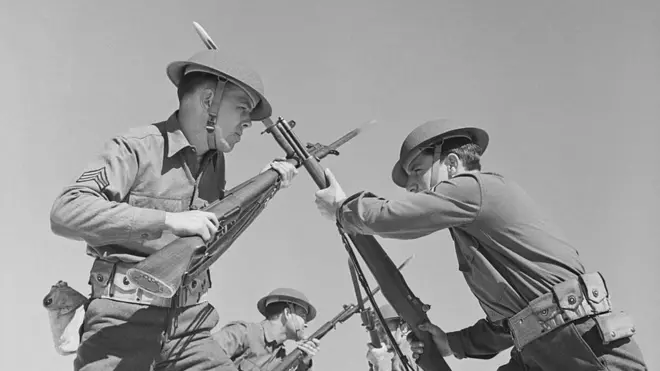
(117, 206)
(528, 279)
(253, 346)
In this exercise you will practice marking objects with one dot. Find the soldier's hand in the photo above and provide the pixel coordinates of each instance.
(310, 348)
(379, 357)
(192, 223)
(286, 170)
(401, 339)
(439, 338)
(329, 199)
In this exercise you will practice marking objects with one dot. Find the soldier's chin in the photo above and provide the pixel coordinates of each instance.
(225, 145)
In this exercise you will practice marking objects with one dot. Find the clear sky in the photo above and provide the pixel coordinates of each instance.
(568, 90)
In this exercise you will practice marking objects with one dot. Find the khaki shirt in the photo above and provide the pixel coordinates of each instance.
(117, 204)
(252, 347)
(508, 251)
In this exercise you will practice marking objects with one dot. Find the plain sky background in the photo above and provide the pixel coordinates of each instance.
(568, 90)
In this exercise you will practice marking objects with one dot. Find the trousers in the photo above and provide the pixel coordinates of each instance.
(577, 346)
(125, 336)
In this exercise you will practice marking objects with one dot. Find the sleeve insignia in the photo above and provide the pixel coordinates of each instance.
(98, 176)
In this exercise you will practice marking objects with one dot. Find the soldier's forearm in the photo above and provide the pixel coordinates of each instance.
(413, 216)
(77, 214)
(368, 214)
(483, 340)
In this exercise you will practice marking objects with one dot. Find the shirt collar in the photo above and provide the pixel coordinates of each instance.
(269, 336)
(176, 140)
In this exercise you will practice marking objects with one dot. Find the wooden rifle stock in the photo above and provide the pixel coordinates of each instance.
(163, 272)
(394, 286)
(291, 360)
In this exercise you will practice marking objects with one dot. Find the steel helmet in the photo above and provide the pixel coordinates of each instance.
(388, 312)
(221, 64)
(430, 134)
(287, 295)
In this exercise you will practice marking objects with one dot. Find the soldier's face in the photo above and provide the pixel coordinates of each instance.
(423, 173)
(296, 324)
(233, 117)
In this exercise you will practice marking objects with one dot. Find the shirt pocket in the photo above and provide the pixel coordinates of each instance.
(159, 203)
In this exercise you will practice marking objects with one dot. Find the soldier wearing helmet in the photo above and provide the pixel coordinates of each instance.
(145, 188)
(385, 358)
(528, 279)
(260, 346)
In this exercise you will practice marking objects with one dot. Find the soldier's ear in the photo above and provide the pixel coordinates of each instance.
(282, 317)
(206, 98)
(452, 161)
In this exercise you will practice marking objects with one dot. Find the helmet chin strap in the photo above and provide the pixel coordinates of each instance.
(437, 151)
(213, 114)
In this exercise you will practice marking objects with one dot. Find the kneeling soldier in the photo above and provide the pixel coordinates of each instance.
(260, 346)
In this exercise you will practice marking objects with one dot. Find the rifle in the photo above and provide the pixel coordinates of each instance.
(291, 360)
(183, 259)
(395, 289)
(367, 315)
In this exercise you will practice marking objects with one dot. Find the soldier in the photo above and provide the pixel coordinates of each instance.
(528, 279)
(142, 191)
(385, 358)
(260, 346)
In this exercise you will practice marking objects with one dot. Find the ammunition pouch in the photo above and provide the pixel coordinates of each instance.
(109, 281)
(615, 326)
(584, 296)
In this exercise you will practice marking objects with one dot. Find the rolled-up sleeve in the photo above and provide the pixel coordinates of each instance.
(452, 203)
(92, 209)
(483, 340)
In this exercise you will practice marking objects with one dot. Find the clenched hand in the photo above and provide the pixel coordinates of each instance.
(310, 348)
(439, 338)
(192, 223)
(286, 170)
(329, 199)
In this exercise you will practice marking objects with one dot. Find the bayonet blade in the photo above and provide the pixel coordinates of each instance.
(206, 39)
